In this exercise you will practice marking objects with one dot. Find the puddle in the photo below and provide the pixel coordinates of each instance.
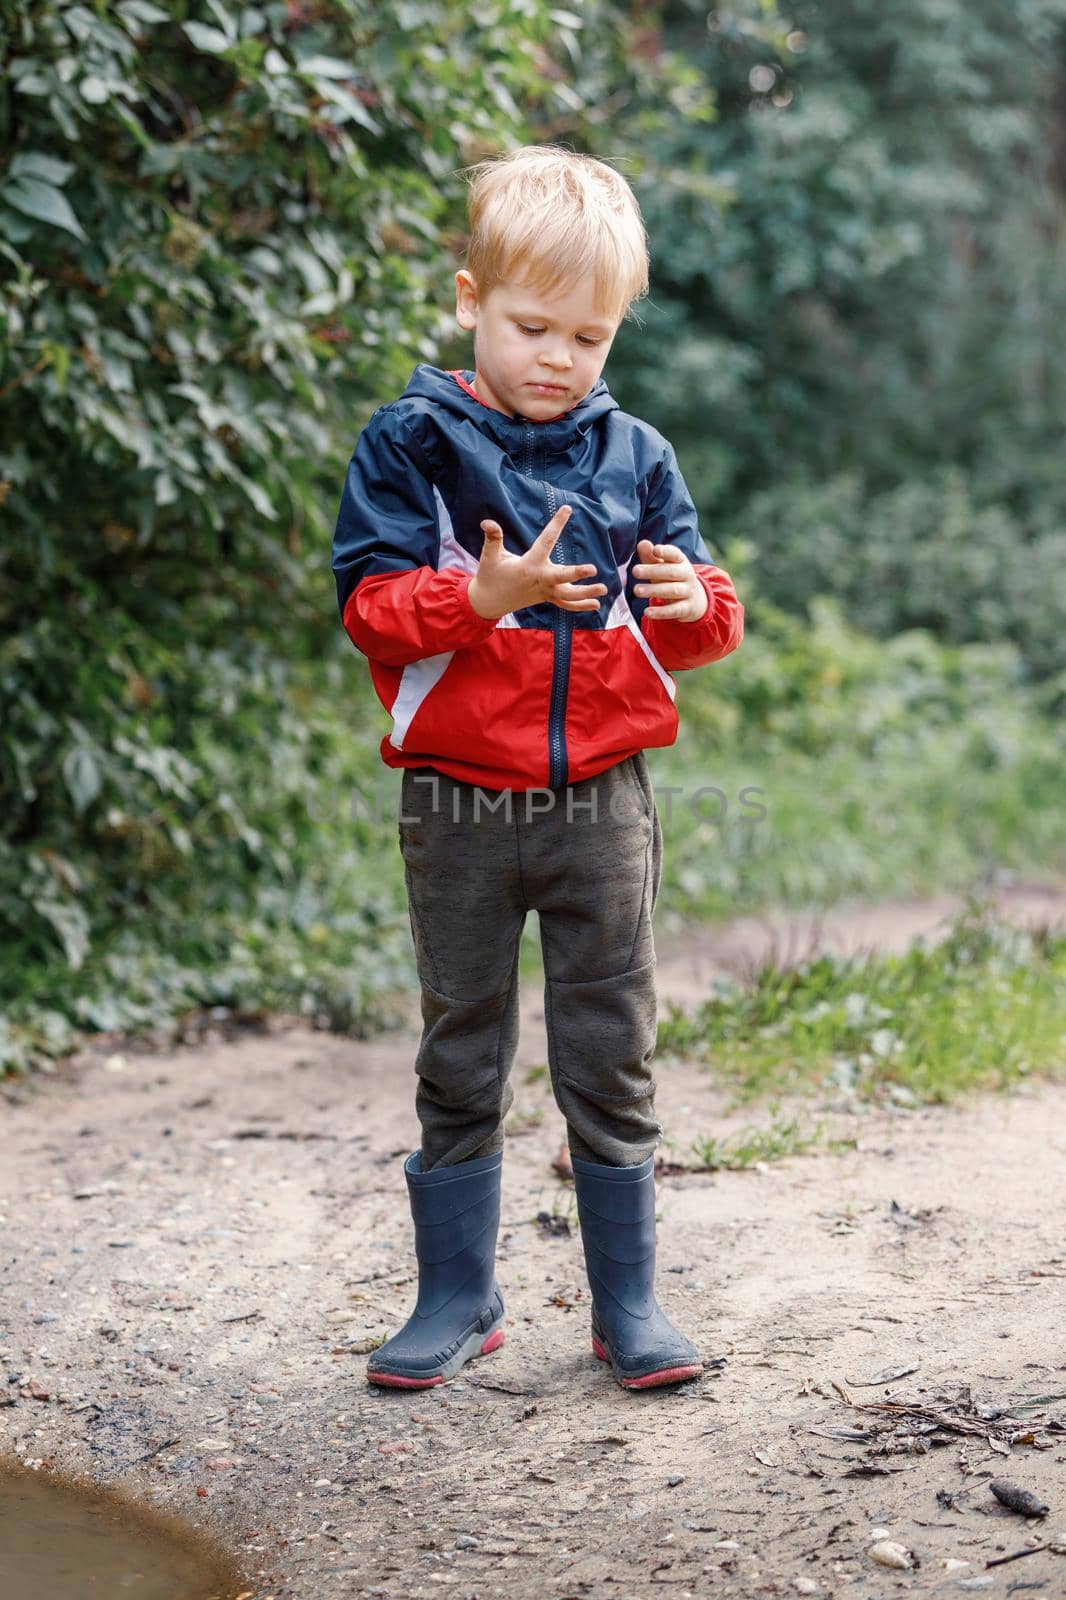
(61, 1540)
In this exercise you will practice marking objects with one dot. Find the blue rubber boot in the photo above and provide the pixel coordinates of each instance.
(616, 1210)
(459, 1312)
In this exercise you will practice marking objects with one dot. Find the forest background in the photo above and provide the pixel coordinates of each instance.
(228, 233)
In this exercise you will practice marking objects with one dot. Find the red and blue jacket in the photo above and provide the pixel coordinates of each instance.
(540, 697)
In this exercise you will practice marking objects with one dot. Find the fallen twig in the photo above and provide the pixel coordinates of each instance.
(1016, 1555)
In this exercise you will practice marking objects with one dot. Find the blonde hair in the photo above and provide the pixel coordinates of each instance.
(548, 216)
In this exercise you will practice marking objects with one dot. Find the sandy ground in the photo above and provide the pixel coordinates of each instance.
(198, 1241)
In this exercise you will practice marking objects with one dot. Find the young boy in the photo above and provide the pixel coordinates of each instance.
(520, 562)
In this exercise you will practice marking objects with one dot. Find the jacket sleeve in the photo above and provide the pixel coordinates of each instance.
(395, 604)
(670, 518)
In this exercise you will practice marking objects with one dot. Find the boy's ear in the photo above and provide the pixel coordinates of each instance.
(465, 300)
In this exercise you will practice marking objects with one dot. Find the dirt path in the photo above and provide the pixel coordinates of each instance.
(196, 1241)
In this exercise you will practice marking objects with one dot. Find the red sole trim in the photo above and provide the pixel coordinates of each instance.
(394, 1381)
(668, 1375)
(650, 1379)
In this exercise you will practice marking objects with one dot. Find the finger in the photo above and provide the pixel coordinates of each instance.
(559, 519)
(573, 591)
(663, 591)
(554, 528)
(493, 529)
(648, 552)
(575, 587)
(669, 552)
(675, 608)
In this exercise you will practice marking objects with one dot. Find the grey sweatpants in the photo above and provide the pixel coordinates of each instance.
(587, 857)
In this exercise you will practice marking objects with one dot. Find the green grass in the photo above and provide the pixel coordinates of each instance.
(786, 1136)
(979, 1010)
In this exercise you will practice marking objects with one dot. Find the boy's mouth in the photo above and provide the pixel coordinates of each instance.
(547, 388)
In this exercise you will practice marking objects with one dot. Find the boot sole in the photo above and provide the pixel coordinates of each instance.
(476, 1345)
(648, 1380)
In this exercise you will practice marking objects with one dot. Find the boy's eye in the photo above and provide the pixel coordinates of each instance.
(533, 332)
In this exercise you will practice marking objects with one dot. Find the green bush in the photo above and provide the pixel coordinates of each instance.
(925, 554)
(227, 233)
(856, 336)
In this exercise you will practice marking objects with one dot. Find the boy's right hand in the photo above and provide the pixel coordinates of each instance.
(505, 582)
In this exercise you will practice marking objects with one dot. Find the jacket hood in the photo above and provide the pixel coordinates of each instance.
(558, 434)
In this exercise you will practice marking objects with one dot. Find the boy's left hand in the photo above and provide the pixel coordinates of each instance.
(667, 577)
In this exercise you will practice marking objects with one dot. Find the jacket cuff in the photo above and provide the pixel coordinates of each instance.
(400, 617)
(680, 645)
(471, 619)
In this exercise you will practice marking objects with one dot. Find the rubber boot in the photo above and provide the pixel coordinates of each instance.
(459, 1312)
(616, 1210)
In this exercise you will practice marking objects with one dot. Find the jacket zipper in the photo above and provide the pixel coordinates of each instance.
(562, 629)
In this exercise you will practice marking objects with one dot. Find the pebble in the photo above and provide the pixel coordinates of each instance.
(806, 1586)
(466, 1542)
(675, 1478)
(890, 1554)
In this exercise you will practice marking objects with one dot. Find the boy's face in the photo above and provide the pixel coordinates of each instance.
(524, 342)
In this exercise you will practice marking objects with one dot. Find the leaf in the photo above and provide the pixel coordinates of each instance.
(344, 100)
(134, 126)
(44, 203)
(224, 19)
(325, 67)
(60, 357)
(81, 774)
(80, 21)
(164, 490)
(141, 11)
(35, 164)
(72, 926)
(257, 496)
(210, 40)
(94, 90)
(16, 231)
(319, 304)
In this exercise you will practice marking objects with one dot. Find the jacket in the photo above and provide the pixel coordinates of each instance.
(541, 697)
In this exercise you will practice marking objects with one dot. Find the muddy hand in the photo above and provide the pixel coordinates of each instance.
(668, 578)
(505, 582)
